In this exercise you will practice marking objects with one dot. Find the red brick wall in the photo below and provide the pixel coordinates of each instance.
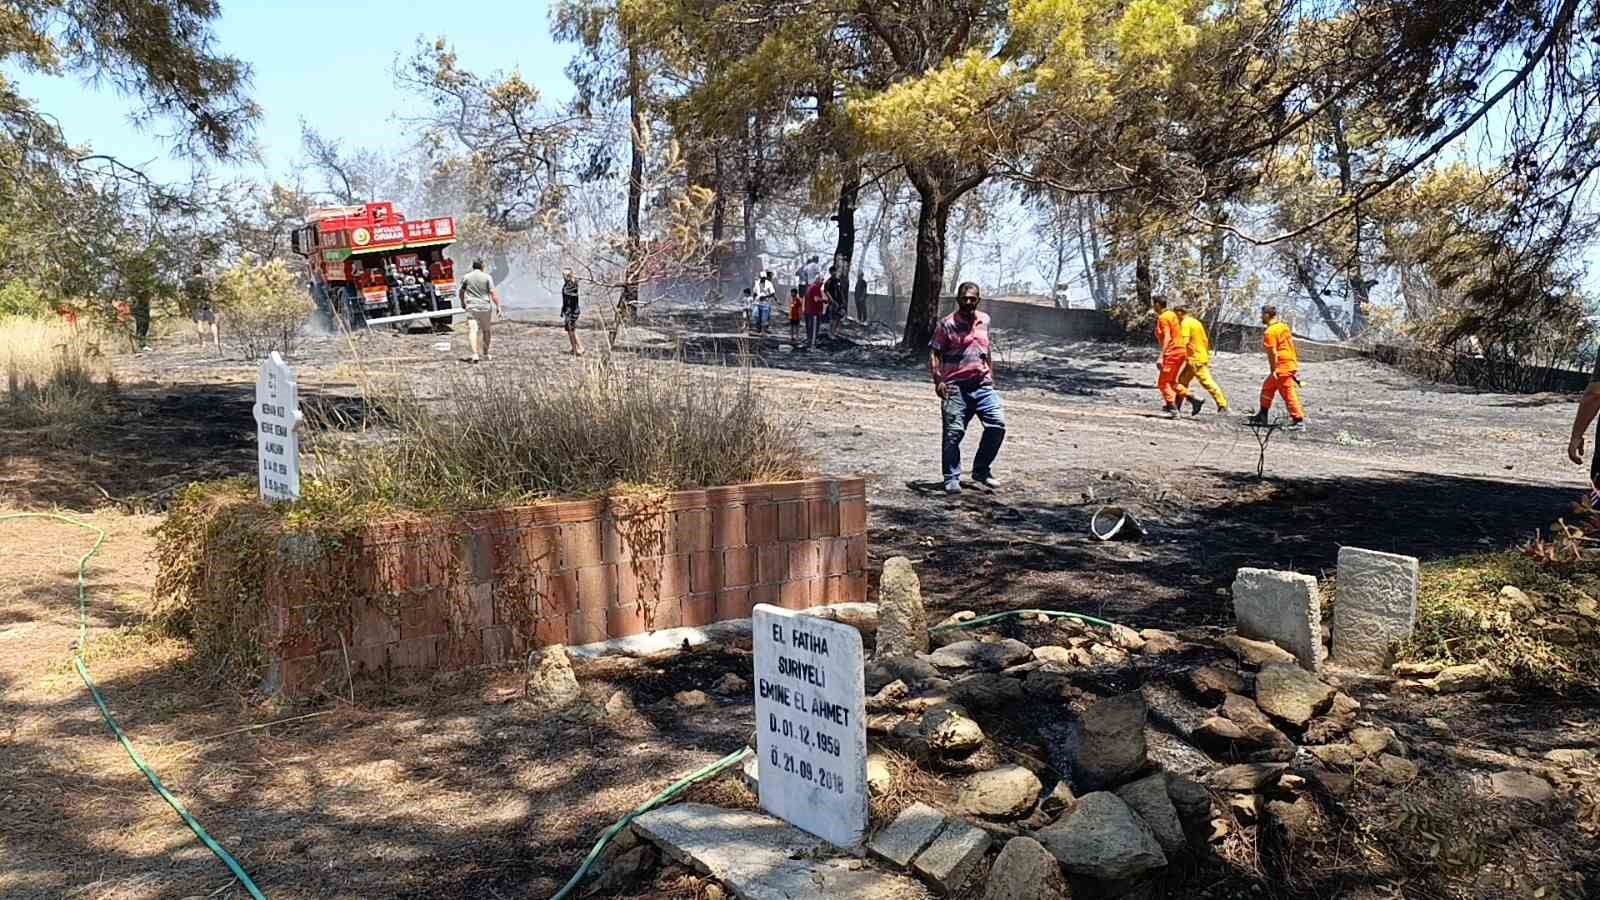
(482, 588)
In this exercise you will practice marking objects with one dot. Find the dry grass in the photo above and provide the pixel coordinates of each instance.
(57, 377)
(1463, 617)
(512, 433)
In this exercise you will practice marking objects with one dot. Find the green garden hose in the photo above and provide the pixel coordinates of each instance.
(83, 672)
(676, 788)
(1054, 614)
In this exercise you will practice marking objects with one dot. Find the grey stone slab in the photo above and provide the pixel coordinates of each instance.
(949, 859)
(1376, 607)
(900, 841)
(1282, 607)
(758, 857)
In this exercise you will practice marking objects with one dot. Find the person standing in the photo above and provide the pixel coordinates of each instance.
(197, 296)
(963, 378)
(569, 311)
(816, 305)
(1172, 358)
(765, 291)
(1283, 372)
(861, 296)
(834, 288)
(1197, 362)
(1588, 409)
(796, 310)
(810, 272)
(481, 301)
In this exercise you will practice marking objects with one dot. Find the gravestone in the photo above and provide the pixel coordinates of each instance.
(1376, 607)
(1282, 607)
(811, 733)
(277, 414)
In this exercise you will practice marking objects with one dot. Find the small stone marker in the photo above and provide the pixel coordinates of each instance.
(1282, 607)
(811, 733)
(277, 413)
(1376, 607)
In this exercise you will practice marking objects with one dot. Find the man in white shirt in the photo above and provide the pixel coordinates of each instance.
(764, 293)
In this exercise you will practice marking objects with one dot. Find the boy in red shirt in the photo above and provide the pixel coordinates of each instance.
(796, 305)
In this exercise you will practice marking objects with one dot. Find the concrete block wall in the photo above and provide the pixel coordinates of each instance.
(463, 590)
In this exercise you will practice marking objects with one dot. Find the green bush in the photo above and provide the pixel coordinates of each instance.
(264, 305)
(18, 298)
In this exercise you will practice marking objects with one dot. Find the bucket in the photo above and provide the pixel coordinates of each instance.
(1115, 523)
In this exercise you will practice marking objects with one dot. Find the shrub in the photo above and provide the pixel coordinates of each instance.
(505, 434)
(20, 299)
(1549, 642)
(56, 377)
(265, 304)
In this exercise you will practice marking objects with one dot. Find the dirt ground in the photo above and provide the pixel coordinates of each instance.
(450, 788)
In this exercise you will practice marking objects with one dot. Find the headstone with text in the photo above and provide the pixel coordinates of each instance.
(811, 733)
(277, 413)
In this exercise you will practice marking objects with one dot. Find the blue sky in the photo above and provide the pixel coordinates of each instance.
(330, 63)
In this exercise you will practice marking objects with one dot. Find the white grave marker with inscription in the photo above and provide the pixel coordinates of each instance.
(277, 413)
(811, 730)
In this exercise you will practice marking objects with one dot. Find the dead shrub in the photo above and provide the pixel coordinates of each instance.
(55, 378)
(508, 434)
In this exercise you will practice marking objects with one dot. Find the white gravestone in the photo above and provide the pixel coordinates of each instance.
(811, 731)
(277, 413)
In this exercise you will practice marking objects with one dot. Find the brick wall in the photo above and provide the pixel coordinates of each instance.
(480, 588)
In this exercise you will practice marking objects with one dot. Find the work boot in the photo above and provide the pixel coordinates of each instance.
(952, 487)
(1170, 411)
(1259, 418)
(1195, 403)
(988, 481)
(1296, 425)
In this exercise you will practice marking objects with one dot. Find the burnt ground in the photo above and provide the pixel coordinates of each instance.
(449, 788)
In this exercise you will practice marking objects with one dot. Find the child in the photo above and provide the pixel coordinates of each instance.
(795, 306)
(749, 301)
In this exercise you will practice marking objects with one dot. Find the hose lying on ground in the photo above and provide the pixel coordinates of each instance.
(1049, 613)
(105, 712)
(671, 793)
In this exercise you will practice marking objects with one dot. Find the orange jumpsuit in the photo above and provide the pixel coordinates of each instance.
(1279, 342)
(1169, 336)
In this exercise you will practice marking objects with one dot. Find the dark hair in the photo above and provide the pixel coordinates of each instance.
(833, 270)
(477, 264)
(1269, 310)
(969, 284)
(794, 292)
(1158, 300)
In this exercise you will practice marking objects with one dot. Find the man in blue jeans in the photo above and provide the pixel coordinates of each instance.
(963, 377)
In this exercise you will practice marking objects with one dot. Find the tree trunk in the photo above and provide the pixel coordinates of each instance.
(844, 250)
(961, 251)
(1144, 284)
(628, 302)
(1308, 281)
(891, 267)
(719, 205)
(1216, 257)
(1355, 275)
(933, 217)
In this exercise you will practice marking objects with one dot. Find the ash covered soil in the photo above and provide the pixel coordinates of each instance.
(446, 789)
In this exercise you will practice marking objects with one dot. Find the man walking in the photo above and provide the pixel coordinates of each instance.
(1168, 336)
(197, 296)
(1283, 372)
(569, 311)
(481, 301)
(1588, 408)
(963, 377)
(1197, 362)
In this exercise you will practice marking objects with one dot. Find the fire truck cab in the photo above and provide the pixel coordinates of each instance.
(370, 266)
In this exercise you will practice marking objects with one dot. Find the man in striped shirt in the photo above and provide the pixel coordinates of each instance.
(963, 377)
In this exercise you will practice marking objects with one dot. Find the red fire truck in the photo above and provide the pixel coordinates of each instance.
(370, 266)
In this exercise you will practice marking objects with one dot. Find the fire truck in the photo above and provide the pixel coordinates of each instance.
(371, 266)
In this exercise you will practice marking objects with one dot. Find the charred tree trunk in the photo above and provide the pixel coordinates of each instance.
(1308, 282)
(628, 301)
(932, 218)
(844, 250)
(719, 205)
(1144, 283)
(1355, 275)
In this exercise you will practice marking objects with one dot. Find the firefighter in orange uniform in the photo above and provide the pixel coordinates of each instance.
(1168, 335)
(1197, 362)
(1283, 379)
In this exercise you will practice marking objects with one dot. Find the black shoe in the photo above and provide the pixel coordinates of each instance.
(1259, 418)
(1171, 412)
(1195, 403)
